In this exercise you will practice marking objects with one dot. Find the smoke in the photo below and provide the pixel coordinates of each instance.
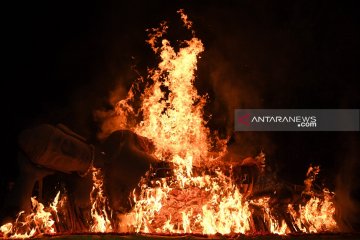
(347, 185)
(107, 118)
(231, 89)
(231, 71)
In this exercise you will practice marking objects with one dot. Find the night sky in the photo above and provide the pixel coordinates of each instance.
(62, 59)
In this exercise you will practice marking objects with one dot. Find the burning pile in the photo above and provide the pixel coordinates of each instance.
(201, 195)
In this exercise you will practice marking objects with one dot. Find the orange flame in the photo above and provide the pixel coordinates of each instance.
(274, 225)
(317, 215)
(39, 221)
(99, 204)
(173, 119)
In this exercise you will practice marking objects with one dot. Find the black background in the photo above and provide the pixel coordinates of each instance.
(63, 58)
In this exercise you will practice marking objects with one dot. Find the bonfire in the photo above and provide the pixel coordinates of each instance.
(199, 189)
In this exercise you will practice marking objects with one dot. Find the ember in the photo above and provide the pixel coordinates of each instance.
(202, 192)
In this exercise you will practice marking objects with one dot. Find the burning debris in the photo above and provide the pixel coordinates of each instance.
(166, 174)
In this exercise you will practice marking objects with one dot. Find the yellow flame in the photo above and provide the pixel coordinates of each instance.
(99, 204)
(317, 215)
(277, 228)
(175, 122)
(40, 220)
(274, 225)
(205, 203)
(173, 119)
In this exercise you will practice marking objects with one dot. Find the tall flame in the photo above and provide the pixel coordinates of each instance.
(202, 203)
(173, 118)
(99, 204)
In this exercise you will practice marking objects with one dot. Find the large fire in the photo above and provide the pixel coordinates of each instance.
(199, 196)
